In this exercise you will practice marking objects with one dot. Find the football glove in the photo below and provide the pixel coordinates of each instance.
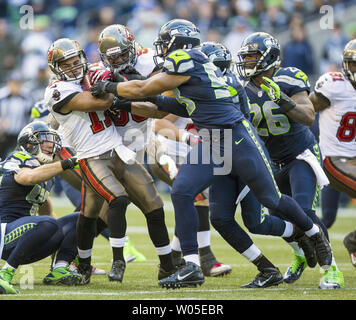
(276, 95)
(190, 138)
(101, 87)
(168, 163)
(70, 163)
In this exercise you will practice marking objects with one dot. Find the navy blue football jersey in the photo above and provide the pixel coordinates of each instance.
(206, 95)
(16, 200)
(283, 137)
(238, 92)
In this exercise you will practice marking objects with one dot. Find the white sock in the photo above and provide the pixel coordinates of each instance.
(192, 258)
(60, 264)
(315, 229)
(7, 266)
(175, 244)
(297, 250)
(117, 242)
(164, 250)
(288, 231)
(203, 238)
(84, 253)
(251, 253)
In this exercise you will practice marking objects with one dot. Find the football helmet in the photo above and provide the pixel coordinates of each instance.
(218, 54)
(176, 34)
(64, 49)
(117, 41)
(264, 44)
(39, 111)
(349, 55)
(33, 135)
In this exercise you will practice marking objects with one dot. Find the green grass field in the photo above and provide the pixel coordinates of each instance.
(140, 281)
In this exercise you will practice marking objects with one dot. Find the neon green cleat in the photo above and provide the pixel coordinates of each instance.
(296, 269)
(6, 276)
(62, 276)
(131, 253)
(332, 279)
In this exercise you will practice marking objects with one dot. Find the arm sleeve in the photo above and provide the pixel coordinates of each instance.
(171, 105)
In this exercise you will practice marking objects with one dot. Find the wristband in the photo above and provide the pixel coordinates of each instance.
(121, 104)
(111, 87)
(286, 103)
(67, 164)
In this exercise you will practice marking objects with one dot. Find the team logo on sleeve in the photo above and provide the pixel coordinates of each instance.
(56, 95)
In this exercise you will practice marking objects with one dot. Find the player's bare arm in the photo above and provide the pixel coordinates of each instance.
(30, 177)
(46, 209)
(304, 112)
(319, 101)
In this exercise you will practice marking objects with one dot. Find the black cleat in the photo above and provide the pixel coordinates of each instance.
(85, 270)
(322, 249)
(117, 271)
(164, 274)
(266, 278)
(189, 275)
(308, 247)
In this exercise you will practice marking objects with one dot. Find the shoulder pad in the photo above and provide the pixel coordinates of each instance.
(25, 159)
(330, 84)
(178, 61)
(291, 76)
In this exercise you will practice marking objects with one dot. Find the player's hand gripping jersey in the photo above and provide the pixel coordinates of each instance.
(89, 133)
(337, 123)
(284, 138)
(17, 200)
(206, 84)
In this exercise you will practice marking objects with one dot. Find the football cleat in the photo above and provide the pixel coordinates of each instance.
(211, 267)
(63, 276)
(6, 276)
(85, 270)
(131, 253)
(94, 270)
(189, 275)
(219, 269)
(117, 271)
(350, 245)
(163, 273)
(266, 278)
(322, 249)
(332, 279)
(308, 248)
(296, 269)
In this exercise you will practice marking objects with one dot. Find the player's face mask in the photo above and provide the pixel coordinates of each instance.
(248, 65)
(72, 69)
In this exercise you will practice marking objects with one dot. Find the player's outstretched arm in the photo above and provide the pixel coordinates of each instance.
(32, 176)
(319, 101)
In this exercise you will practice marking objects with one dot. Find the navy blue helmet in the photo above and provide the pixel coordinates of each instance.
(218, 54)
(33, 135)
(176, 34)
(268, 48)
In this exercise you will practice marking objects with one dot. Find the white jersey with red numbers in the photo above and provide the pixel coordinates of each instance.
(337, 123)
(89, 133)
(176, 149)
(136, 130)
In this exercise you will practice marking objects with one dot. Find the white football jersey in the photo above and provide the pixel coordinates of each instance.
(177, 149)
(337, 123)
(135, 130)
(89, 133)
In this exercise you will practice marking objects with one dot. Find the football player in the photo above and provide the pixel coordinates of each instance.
(108, 168)
(334, 97)
(281, 113)
(27, 178)
(119, 51)
(202, 94)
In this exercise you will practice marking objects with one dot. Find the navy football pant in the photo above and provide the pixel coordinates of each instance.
(33, 238)
(222, 214)
(297, 179)
(249, 163)
(330, 203)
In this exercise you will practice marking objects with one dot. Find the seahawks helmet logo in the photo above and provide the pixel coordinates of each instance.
(271, 43)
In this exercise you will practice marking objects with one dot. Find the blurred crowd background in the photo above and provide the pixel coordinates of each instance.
(23, 64)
